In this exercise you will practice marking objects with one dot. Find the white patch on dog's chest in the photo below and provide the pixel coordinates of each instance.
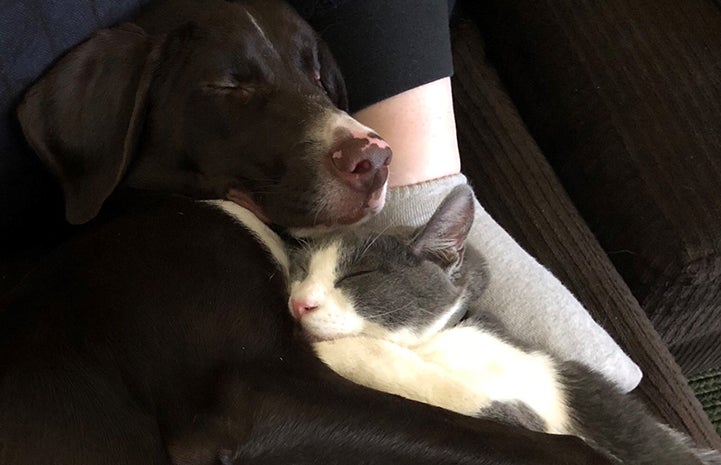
(269, 239)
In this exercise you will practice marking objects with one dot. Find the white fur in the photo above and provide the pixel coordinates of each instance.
(269, 239)
(338, 119)
(442, 321)
(261, 32)
(334, 315)
(389, 367)
(463, 368)
(490, 366)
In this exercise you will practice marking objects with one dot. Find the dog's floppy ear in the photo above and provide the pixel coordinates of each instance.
(443, 238)
(83, 118)
(331, 77)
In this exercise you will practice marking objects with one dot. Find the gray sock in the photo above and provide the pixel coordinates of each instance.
(532, 304)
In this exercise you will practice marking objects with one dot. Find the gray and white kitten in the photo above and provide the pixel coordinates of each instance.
(399, 314)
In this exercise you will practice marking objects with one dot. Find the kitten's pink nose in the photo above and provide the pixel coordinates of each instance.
(301, 307)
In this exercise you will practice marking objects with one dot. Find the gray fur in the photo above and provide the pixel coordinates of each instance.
(514, 413)
(384, 277)
(407, 282)
(620, 425)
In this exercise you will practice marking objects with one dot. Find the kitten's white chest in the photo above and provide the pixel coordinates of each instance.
(494, 369)
(463, 369)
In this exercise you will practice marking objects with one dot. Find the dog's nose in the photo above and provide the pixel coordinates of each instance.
(362, 161)
(302, 307)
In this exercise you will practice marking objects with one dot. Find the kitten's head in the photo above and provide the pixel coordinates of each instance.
(390, 286)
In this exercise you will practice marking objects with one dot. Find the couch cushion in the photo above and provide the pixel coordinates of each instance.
(624, 99)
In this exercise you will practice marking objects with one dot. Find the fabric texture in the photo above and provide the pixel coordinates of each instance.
(513, 180)
(624, 98)
(707, 387)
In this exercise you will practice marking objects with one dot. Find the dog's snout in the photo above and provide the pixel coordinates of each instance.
(361, 159)
(354, 168)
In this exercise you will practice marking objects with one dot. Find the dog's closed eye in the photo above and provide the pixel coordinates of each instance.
(232, 85)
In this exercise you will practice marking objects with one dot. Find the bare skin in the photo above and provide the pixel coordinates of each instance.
(420, 127)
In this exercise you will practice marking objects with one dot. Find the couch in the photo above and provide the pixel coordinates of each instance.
(590, 130)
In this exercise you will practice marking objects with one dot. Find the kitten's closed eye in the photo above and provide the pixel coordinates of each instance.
(354, 274)
(301, 267)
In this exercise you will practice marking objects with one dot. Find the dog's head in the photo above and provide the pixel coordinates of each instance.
(236, 100)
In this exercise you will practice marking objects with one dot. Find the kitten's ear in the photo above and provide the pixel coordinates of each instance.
(442, 239)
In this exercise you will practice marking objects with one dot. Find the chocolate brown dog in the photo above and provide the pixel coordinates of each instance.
(240, 103)
(158, 334)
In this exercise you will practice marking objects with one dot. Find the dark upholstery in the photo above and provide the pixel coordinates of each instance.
(624, 99)
(707, 388)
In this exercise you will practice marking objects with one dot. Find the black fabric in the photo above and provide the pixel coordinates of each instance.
(383, 48)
